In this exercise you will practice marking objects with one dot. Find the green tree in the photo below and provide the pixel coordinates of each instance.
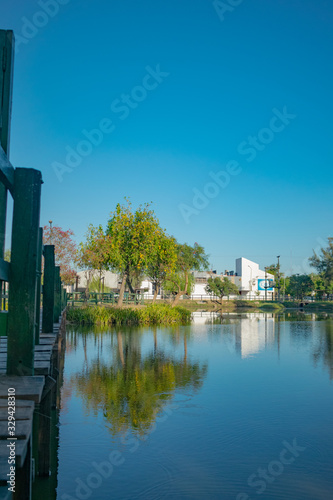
(188, 259)
(274, 269)
(133, 237)
(319, 285)
(94, 253)
(223, 287)
(162, 262)
(323, 263)
(300, 285)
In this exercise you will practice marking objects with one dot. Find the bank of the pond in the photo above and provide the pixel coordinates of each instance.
(152, 314)
(232, 305)
(317, 306)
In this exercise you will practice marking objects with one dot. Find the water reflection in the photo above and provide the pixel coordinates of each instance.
(254, 332)
(265, 385)
(132, 387)
(324, 348)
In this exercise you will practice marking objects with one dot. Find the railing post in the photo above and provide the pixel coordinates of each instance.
(38, 278)
(22, 290)
(7, 42)
(48, 289)
(57, 304)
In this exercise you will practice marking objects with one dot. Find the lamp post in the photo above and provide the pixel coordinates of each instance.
(266, 284)
(50, 238)
(278, 276)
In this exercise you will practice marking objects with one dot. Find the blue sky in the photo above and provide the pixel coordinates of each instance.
(197, 87)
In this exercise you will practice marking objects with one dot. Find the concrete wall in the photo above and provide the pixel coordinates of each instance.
(250, 274)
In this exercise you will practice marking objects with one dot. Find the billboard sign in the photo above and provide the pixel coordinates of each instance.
(265, 285)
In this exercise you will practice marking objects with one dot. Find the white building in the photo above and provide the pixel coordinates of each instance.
(250, 280)
(253, 281)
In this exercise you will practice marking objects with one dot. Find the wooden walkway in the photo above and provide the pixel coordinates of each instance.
(34, 397)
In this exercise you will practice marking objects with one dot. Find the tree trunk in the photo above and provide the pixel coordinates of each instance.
(122, 289)
(155, 342)
(177, 298)
(155, 293)
(120, 348)
(129, 284)
(186, 282)
(180, 293)
(100, 279)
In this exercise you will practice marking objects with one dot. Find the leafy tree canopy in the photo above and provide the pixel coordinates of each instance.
(223, 287)
(323, 262)
(300, 285)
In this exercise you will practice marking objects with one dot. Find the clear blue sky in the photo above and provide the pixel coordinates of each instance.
(219, 82)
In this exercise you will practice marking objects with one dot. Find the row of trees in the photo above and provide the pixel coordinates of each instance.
(134, 245)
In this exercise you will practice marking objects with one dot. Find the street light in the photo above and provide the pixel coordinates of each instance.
(266, 284)
(278, 276)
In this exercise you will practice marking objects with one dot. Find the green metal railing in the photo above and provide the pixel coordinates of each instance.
(81, 298)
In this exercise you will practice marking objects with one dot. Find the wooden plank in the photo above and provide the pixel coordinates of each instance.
(22, 290)
(48, 289)
(39, 356)
(29, 388)
(21, 447)
(21, 413)
(23, 428)
(43, 348)
(20, 403)
(40, 367)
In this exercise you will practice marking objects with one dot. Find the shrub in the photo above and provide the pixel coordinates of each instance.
(152, 314)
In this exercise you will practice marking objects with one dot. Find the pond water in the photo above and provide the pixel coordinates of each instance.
(235, 407)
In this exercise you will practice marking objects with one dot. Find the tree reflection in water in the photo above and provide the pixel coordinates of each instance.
(133, 388)
(324, 350)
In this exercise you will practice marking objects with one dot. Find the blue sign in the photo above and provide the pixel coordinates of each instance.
(265, 285)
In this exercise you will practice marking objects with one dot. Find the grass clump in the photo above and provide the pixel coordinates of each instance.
(152, 314)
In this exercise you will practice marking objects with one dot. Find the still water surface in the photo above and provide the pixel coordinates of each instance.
(238, 407)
